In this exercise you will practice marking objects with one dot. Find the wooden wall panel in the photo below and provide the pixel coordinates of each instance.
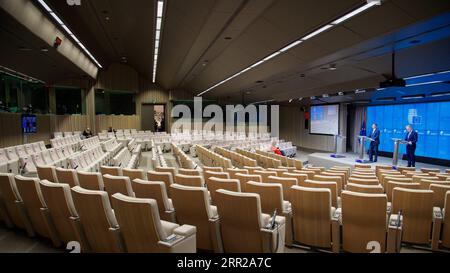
(103, 122)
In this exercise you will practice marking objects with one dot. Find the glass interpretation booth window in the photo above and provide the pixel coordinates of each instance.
(109, 102)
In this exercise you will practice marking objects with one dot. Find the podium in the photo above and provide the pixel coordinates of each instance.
(397, 143)
(339, 140)
(362, 146)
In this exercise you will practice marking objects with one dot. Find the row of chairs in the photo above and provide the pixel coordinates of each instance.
(212, 159)
(89, 143)
(74, 141)
(111, 146)
(12, 158)
(182, 159)
(90, 160)
(237, 159)
(134, 147)
(126, 159)
(285, 161)
(66, 134)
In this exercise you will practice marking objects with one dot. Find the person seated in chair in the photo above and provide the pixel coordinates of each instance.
(87, 133)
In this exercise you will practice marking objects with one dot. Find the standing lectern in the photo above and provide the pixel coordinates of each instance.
(397, 142)
(362, 145)
(340, 142)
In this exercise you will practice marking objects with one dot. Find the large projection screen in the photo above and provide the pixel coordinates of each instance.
(325, 120)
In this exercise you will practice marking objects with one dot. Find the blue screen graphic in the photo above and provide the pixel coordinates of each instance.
(430, 120)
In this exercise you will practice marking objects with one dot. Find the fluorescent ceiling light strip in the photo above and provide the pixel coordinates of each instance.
(423, 83)
(159, 18)
(370, 3)
(68, 31)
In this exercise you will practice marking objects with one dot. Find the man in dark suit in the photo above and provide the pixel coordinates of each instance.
(374, 143)
(411, 138)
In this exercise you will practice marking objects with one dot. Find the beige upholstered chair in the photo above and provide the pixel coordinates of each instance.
(214, 184)
(208, 174)
(190, 181)
(37, 211)
(364, 220)
(244, 226)
(118, 184)
(171, 170)
(144, 232)
(212, 169)
(192, 207)
(313, 218)
(190, 172)
(166, 177)
(369, 189)
(426, 183)
(134, 174)
(116, 171)
(364, 181)
(287, 184)
(251, 170)
(233, 172)
(244, 178)
(309, 174)
(265, 175)
(91, 181)
(439, 194)
(325, 178)
(391, 185)
(446, 222)
(47, 173)
(58, 198)
(67, 176)
(301, 177)
(332, 186)
(419, 215)
(98, 220)
(14, 212)
(155, 190)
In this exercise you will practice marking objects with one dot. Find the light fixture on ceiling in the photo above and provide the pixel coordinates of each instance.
(341, 94)
(261, 102)
(413, 97)
(423, 83)
(440, 94)
(69, 32)
(369, 4)
(325, 96)
(159, 20)
(300, 99)
(291, 100)
(360, 91)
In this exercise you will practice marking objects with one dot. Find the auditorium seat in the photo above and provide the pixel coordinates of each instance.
(98, 220)
(446, 222)
(265, 175)
(330, 185)
(343, 173)
(244, 178)
(36, 208)
(418, 214)
(67, 176)
(244, 226)
(419, 178)
(192, 207)
(190, 172)
(309, 174)
(391, 185)
(426, 183)
(116, 171)
(367, 176)
(362, 166)
(190, 181)
(233, 172)
(443, 176)
(214, 183)
(212, 169)
(299, 176)
(58, 199)
(171, 170)
(208, 174)
(117, 184)
(369, 189)
(155, 190)
(144, 232)
(91, 181)
(47, 173)
(134, 174)
(287, 184)
(271, 197)
(364, 220)
(406, 169)
(165, 177)
(14, 209)
(439, 194)
(336, 179)
(12, 164)
(251, 170)
(364, 181)
(314, 224)
(430, 170)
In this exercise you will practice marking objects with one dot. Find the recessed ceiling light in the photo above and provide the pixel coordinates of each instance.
(44, 49)
(291, 100)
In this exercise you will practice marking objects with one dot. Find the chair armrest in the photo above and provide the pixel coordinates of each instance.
(437, 225)
(337, 216)
(389, 208)
(185, 230)
(395, 231)
(437, 214)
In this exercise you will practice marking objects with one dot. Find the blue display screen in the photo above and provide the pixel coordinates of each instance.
(430, 120)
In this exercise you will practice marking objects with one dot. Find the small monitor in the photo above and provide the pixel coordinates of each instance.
(29, 124)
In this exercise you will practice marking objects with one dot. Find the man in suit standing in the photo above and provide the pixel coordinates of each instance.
(411, 138)
(374, 143)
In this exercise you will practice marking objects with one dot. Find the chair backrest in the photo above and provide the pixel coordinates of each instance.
(116, 171)
(208, 174)
(91, 181)
(97, 218)
(244, 178)
(301, 177)
(391, 185)
(369, 189)
(47, 173)
(363, 166)
(10, 195)
(212, 169)
(134, 174)
(287, 183)
(311, 212)
(326, 178)
(270, 194)
(426, 183)
(364, 181)
(233, 172)
(171, 170)
(332, 186)
(140, 223)
(240, 217)
(31, 194)
(189, 172)
(167, 178)
(67, 176)
(152, 190)
(439, 194)
(417, 208)
(265, 175)
(188, 180)
(214, 184)
(192, 207)
(446, 222)
(58, 199)
(309, 174)
(364, 220)
(420, 177)
(118, 184)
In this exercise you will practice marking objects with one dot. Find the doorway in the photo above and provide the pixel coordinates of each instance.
(153, 117)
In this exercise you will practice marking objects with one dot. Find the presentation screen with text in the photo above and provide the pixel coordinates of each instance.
(325, 120)
(430, 120)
